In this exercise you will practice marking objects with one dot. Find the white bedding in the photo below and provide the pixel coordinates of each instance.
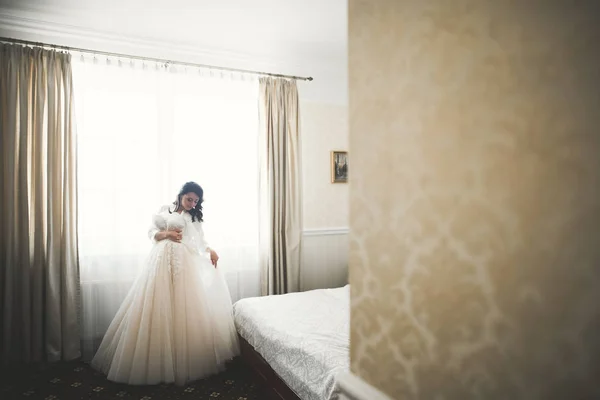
(305, 337)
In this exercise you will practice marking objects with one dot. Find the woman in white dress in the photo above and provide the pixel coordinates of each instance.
(176, 323)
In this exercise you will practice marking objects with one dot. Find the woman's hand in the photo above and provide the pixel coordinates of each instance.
(214, 257)
(174, 235)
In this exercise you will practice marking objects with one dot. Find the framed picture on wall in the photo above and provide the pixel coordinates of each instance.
(339, 166)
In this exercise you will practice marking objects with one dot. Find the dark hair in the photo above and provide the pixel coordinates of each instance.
(191, 187)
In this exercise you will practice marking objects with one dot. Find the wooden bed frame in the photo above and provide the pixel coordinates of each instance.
(275, 388)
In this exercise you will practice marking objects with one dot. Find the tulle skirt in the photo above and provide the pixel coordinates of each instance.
(175, 325)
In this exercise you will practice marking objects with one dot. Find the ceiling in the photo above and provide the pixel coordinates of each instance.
(298, 36)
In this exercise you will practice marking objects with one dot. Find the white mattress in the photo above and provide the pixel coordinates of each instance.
(305, 337)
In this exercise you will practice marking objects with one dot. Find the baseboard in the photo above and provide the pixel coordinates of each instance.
(354, 388)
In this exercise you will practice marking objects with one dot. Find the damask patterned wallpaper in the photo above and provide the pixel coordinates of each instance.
(475, 198)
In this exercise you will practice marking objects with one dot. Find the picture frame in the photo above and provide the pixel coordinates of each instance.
(339, 166)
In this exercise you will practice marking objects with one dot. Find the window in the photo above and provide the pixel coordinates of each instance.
(144, 130)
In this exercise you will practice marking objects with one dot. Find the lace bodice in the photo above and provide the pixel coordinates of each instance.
(166, 221)
(193, 235)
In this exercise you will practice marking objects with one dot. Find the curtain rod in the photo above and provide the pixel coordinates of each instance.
(157, 60)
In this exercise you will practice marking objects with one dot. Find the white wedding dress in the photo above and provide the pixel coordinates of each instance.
(176, 323)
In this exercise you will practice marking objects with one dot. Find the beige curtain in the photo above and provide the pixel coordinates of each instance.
(280, 187)
(39, 277)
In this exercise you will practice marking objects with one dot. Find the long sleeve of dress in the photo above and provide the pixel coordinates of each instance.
(199, 238)
(156, 225)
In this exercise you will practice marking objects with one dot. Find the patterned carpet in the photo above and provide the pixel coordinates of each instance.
(77, 380)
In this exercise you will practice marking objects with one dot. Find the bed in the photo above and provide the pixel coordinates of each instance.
(298, 342)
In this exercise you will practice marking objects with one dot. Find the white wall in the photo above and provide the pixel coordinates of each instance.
(324, 127)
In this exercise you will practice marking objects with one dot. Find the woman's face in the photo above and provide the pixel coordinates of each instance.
(189, 201)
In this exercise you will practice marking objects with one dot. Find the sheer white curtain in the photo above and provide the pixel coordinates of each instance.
(143, 130)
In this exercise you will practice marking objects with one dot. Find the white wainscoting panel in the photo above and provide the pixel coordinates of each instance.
(324, 258)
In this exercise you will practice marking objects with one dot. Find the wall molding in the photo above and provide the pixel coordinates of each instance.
(354, 388)
(326, 231)
(34, 27)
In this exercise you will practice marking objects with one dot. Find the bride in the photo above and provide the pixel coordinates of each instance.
(176, 323)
